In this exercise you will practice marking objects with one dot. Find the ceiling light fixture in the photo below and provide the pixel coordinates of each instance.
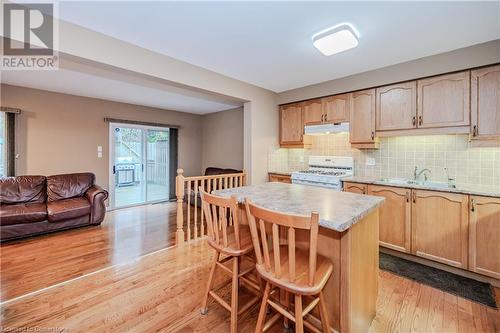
(336, 39)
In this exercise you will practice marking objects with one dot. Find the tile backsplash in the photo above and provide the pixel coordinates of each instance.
(398, 156)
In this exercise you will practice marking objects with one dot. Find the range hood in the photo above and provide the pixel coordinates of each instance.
(326, 128)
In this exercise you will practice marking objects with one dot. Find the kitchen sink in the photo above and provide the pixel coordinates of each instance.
(403, 181)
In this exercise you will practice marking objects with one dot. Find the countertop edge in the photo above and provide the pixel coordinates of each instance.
(345, 226)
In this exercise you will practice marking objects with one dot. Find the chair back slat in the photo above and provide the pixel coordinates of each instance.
(272, 222)
(276, 250)
(265, 248)
(291, 253)
(218, 212)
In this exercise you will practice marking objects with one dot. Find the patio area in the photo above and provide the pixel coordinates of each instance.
(135, 194)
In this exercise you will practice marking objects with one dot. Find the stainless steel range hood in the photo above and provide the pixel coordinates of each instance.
(326, 128)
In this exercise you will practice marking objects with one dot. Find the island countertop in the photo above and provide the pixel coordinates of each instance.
(337, 210)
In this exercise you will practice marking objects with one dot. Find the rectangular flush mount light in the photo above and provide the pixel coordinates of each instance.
(336, 39)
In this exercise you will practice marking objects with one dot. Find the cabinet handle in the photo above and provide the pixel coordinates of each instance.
(472, 207)
(420, 120)
(373, 135)
(474, 130)
(407, 196)
(414, 120)
(326, 117)
(414, 197)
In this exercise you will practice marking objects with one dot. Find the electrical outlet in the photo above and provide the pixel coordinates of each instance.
(370, 161)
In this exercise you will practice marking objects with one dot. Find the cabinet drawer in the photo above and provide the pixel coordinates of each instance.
(355, 188)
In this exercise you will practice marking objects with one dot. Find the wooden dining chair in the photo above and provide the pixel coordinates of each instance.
(231, 242)
(297, 271)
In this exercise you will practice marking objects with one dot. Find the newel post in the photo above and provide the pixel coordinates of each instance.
(244, 177)
(179, 193)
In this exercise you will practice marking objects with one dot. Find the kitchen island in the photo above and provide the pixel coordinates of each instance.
(348, 236)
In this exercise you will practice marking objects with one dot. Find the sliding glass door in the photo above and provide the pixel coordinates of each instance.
(140, 166)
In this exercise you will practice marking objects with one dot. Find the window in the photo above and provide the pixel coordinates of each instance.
(7, 141)
(3, 149)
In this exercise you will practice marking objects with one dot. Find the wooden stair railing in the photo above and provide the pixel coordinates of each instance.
(193, 225)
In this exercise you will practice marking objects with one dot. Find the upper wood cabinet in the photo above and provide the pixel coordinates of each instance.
(485, 103)
(440, 227)
(484, 237)
(396, 107)
(444, 101)
(336, 108)
(313, 112)
(394, 217)
(292, 125)
(355, 188)
(362, 117)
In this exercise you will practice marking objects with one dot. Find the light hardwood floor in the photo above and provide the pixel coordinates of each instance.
(38, 262)
(162, 290)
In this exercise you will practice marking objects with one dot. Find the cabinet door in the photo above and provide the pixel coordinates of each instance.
(484, 238)
(362, 117)
(313, 112)
(336, 108)
(355, 188)
(396, 107)
(444, 101)
(291, 126)
(485, 103)
(395, 217)
(440, 227)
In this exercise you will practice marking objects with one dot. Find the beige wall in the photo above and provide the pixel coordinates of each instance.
(260, 108)
(222, 137)
(59, 133)
(473, 56)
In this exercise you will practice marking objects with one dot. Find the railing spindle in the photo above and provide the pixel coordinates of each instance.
(188, 210)
(196, 209)
(202, 185)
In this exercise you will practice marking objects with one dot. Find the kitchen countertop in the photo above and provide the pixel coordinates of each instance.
(281, 173)
(337, 210)
(488, 191)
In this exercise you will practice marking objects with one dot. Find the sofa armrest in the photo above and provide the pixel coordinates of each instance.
(96, 196)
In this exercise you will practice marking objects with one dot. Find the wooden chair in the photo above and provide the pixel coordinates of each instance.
(296, 271)
(233, 241)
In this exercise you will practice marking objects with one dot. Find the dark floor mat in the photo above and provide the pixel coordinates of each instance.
(473, 290)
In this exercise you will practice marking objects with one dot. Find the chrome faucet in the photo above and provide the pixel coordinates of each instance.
(417, 174)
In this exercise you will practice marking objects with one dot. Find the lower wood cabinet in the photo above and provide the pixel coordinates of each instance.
(281, 178)
(454, 229)
(484, 239)
(355, 188)
(394, 217)
(440, 227)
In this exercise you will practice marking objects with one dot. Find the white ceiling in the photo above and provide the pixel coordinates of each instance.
(148, 94)
(269, 43)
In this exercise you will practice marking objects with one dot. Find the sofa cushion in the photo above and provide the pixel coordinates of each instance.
(22, 213)
(66, 209)
(23, 189)
(212, 171)
(68, 186)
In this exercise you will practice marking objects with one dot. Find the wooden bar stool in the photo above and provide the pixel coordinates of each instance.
(296, 271)
(233, 241)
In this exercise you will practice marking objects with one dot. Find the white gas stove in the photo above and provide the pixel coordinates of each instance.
(325, 171)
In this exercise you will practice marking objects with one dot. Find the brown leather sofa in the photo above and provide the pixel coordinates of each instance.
(32, 205)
